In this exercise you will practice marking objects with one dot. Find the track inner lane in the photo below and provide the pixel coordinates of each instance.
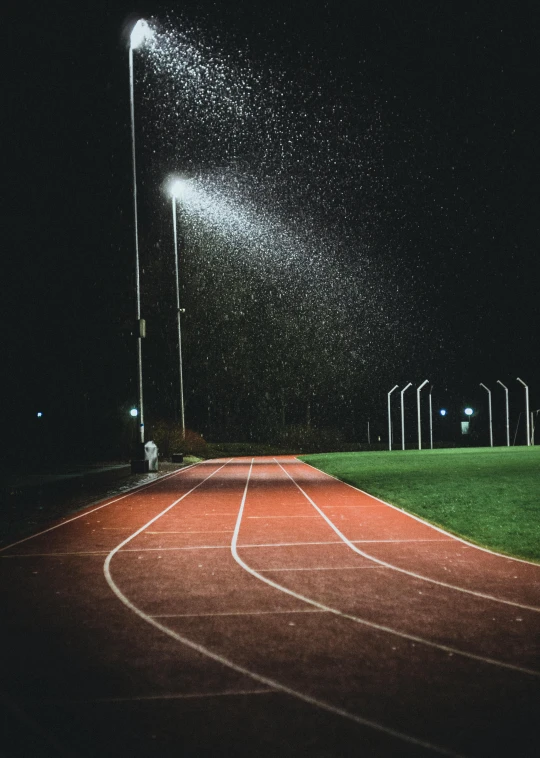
(325, 607)
(386, 564)
(271, 683)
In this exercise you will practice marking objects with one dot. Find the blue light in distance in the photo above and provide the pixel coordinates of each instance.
(443, 411)
(134, 412)
(39, 414)
(469, 411)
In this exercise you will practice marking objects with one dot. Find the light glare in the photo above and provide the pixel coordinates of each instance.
(140, 32)
(178, 188)
(468, 411)
(134, 412)
(442, 412)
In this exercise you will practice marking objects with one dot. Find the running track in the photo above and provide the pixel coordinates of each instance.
(262, 608)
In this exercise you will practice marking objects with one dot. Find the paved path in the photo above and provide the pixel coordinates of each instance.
(262, 608)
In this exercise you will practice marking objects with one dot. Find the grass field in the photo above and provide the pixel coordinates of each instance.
(490, 496)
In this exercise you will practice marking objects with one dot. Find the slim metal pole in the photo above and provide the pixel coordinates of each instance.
(390, 419)
(490, 420)
(137, 278)
(507, 413)
(527, 413)
(430, 419)
(403, 416)
(418, 390)
(178, 319)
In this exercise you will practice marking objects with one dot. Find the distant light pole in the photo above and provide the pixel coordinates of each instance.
(403, 416)
(140, 32)
(430, 419)
(507, 413)
(490, 418)
(418, 390)
(390, 418)
(176, 191)
(527, 414)
(534, 423)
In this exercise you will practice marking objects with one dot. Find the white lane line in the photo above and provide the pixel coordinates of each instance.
(419, 539)
(52, 555)
(364, 622)
(267, 517)
(173, 696)
(241, 669)
(379, 505)
(87, 513)
(202, 531)
(319, 703)
(475, 593)
(327, 568)
(233, 613)
(421, 520)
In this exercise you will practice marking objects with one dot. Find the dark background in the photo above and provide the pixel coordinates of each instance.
(456, 96)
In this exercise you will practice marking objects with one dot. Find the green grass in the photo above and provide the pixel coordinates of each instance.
(490, 496)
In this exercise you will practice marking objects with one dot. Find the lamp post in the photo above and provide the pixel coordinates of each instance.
(430, 419)
(403, 416)
(390, 418)
(418, 390)
(490, 417)
(507, 413)
(176, 190)
(527, 415)
(140, 32)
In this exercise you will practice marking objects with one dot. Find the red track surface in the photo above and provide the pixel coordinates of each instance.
(262, 608)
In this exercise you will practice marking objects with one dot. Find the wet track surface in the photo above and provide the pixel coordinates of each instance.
(259, 607)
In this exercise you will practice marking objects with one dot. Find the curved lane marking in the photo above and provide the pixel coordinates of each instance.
(421, 520)
(423, 578)
(271, 683)
(87, 513)
(365, 622)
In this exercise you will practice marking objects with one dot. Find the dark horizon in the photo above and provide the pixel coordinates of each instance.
(433, 110)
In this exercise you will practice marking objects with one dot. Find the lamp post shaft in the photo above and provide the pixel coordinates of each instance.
(390, 419)
(403, 416)
(490, 416)
(507, 413)
(418, 390)
(178, 319)
(137, 277)
(527, 413)
(430, 419)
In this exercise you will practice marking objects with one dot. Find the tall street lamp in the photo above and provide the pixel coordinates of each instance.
(403, 415)
(390, 418)
(140, 32)
(507, 413)
(177, 188)
(490, 416)
(418, 390)
(527, 416)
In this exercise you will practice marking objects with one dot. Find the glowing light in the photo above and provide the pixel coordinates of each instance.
(39, 414)
(134, 412)
(140, 33)
(469, 411)
(179, 188)
(443, 412)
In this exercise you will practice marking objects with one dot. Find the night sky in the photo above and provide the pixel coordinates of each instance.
(395, 147)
